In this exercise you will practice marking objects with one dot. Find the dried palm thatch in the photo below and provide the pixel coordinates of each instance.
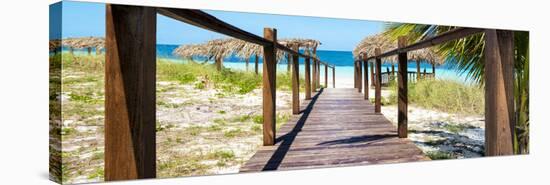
(55, 45)
(191, 50)
(84, 42)
(427, 54)
(370, 43)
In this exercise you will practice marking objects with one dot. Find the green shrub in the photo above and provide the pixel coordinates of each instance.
(445, 95)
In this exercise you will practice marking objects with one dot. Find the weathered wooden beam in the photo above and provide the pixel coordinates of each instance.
(318, 81)
(366, 76)
(417, 70)
(359, 76)
(326, 76)
(402, 97)
(372, 73)
(256, 64)
(209, 22)
(314, 77)
(307, 78)
(499, 89)
(130, 68)
(295, 83)
(219, 63)
(333, 76)
(377, 92)
(444, 37)
(269, 87)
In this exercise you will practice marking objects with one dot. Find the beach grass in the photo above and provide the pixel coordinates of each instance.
(443, 95)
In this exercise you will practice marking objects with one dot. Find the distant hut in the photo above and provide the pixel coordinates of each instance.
(55, 45)
(428, 55)
(84, 42)
(189, 51)
(369, 44)
(300, 43)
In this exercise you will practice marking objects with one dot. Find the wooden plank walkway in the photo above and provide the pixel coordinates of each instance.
(336, 128)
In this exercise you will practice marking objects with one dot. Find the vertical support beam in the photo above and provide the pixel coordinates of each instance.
(288, 62)
(219, 63)
(372, 73)
(359, 76)
(269, 85)
(499, 88)
(256, 64)
(433, 69)
(130, 68)
(326, 76)
(366, 77)
(307, 78)
(402, 97)
(393, 69)
(417, 70)
(295, 83)
(334, 76)
(318, 74)
(377, 92)
(247, 62)
(314, 77)
(355, 74)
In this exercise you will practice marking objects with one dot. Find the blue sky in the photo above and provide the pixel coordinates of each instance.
(88, 19)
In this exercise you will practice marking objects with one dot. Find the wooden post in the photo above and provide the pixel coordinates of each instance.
(318, 80)
(269, 85)
(359, 76)
(417, 70)
(89, 51)
(326, 76)
(499, 89)
(314, 77)
(355, 74)
(366, 77)
(256, 64)
(130, 109)
(372, 73)
(334, 76)
(393, 69)
(219, 63)
(377, 92)
(288, 62)
(307, 78)
(402, 97)
(433, 69)
(295, 83)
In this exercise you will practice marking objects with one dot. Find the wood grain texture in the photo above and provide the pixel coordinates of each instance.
(378, 84)
(334, 77)
(307, 80)
(359, 75)
(256, 64)
(402, 97)
(269, 87)
(314, 77)
(130, 58)
(323, 137)
(366, 77)
(295, 83)
(326, 76)
(499, 64)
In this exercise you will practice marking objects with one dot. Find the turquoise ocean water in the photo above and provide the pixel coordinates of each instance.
(343, 60)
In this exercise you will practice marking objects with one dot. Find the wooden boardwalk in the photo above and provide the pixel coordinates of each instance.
(336, 128)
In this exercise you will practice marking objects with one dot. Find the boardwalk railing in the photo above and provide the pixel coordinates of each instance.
(130, 82)
(499, 62)
(388, 77)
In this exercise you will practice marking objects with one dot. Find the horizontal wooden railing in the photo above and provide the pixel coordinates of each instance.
(130, 77)
(498, 66)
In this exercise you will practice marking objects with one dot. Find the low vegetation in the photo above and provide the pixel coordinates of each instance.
(444, 95)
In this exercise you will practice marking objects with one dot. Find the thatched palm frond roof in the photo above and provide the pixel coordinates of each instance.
(84, 42)
(427, 54)
(370, 43)
(225, 47)
(55, 44)
(191, 50)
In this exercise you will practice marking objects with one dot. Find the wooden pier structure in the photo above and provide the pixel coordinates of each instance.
(332, 127)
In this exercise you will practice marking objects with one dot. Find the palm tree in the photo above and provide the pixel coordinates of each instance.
(467, 57)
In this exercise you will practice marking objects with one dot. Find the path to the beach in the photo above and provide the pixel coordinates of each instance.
(336, 128)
